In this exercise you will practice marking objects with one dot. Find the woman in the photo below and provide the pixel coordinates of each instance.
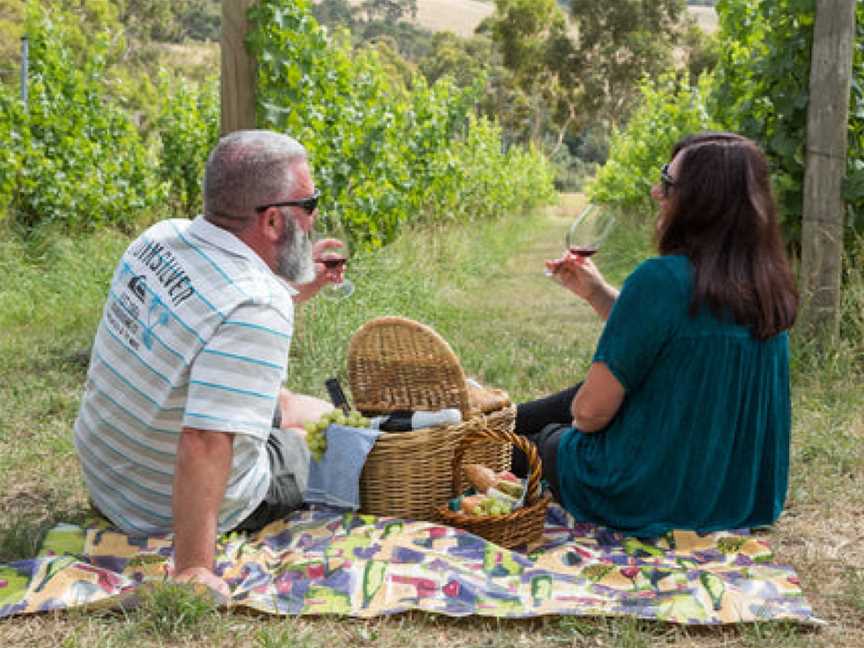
(683, 418)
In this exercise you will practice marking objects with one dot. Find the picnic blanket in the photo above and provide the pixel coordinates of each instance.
(327, 562)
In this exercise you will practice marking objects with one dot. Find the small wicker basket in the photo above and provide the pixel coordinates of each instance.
(524, 526)
(395, 364)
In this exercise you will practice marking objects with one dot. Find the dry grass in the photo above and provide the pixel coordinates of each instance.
(458, 16)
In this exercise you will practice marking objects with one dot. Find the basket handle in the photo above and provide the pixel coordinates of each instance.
(485, 434)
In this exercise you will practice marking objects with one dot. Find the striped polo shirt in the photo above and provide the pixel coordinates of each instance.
(195, 332)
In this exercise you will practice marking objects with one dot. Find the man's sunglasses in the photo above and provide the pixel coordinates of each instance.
(309, 204)
(666, 180)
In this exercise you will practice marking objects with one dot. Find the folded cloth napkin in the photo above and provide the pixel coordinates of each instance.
(335, 480)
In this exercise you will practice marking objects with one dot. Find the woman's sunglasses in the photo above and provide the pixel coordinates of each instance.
(666, 180)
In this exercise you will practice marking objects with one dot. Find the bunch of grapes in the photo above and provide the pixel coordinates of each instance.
(493, 506)
(483, 505)
(315, 437)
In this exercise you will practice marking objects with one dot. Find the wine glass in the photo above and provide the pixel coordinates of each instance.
(335, 259)
(587, 232)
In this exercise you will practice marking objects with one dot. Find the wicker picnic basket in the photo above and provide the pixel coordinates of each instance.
(396, 364)
(524, 526)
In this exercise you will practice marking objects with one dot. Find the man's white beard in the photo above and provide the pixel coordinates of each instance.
(295, 255)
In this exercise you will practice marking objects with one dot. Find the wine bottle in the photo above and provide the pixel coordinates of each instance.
(405, 420)
(337, 395)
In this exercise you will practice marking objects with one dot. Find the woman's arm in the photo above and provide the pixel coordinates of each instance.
(581, 277)
(598, 400)
(602, 300)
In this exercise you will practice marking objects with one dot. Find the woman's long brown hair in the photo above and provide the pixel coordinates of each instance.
(723, 217)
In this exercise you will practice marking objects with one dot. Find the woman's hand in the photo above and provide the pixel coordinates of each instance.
(577, 274)
(580, 276)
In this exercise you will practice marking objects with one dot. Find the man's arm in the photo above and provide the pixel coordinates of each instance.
(298, 409)
(203, 466)
(307, 291)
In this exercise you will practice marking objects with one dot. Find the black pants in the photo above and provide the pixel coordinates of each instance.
(542, 422)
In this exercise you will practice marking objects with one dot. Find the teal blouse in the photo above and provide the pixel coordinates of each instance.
(701, 440)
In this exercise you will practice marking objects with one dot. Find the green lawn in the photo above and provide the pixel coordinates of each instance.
(481, 286)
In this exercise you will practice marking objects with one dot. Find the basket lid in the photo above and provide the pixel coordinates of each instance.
(395, 363)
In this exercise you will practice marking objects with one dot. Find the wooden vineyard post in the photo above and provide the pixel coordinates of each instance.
(827, 131)
(238, 76)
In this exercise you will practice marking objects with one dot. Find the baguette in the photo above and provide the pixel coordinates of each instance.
(481, 477)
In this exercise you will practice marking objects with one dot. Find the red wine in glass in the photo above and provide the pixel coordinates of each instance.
(333, 261)
(584, 252)
(587, 232)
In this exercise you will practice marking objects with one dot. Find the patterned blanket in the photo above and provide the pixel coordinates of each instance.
(326, 562)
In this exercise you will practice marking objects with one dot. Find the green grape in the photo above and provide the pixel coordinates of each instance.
(316, 439)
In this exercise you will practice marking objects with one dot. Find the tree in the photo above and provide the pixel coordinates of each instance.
(388, 10)
(619, 43)
(539, 86)
(333, 13)
(561, 76)
(171, 20)
(464, 60)
(700, 51)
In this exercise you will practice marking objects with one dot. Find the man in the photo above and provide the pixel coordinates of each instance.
(178, 428)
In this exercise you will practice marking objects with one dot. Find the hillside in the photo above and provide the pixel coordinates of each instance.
(463, 16)
(458, 16)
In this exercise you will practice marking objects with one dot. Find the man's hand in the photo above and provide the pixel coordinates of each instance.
(321, 250)
(203, 465)
(323, 274)
(206, 578)
(299, 409)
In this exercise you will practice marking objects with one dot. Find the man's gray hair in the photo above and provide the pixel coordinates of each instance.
(247, 169)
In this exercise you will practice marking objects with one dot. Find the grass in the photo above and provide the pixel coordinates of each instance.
(481, 286)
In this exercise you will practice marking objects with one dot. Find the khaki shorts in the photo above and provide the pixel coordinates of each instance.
(289, 470)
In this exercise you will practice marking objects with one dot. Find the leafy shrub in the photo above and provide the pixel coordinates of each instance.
(762, 91)
(671, 108)
(79, 159)
(388, 148)
(188, 126)
(9, 162)
(384, 154)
